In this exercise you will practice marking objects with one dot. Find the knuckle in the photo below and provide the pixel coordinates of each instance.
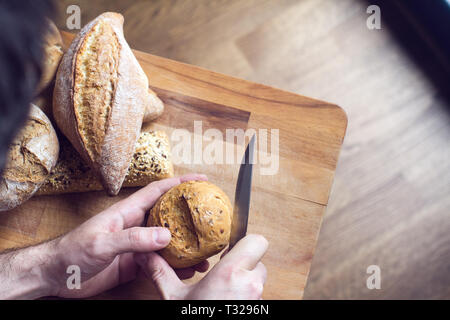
(229, 272)
(115, 224)
(256, 289)
(263, 269)
(134, 236)
(158, 274)
(94, 246)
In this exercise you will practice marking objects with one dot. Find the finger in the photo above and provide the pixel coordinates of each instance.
(128, 268)
(136, 239)
(260, 272)
(247, 252)
(131, 210)
(147, 196)
(163, 276)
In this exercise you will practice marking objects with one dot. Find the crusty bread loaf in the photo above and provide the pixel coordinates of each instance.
(44, 101)
(198, 215)
(100, 97)
(151, 161)
(53, 52)
(154, 109)
(31, 157)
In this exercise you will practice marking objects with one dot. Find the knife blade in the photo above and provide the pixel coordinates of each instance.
(242, 196)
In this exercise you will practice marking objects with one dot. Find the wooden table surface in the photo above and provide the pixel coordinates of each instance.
(287, 205)
(390, 199)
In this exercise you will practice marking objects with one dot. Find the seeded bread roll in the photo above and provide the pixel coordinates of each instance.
(198, 215)
(31, 157)
(53, 52)
(100, 97)
(151, 162)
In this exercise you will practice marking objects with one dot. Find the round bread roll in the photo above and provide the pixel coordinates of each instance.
(198, 215)
(31, 157)
(53, 52)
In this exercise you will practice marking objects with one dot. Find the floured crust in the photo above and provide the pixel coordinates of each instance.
(95, 81)
(155, 108)
(53, 52)
(151, 161)
(198, 215)
(25, 163)
(31, 157)
(152, 111)
(106, 140)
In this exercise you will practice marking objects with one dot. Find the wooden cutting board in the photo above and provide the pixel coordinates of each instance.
(287, 207)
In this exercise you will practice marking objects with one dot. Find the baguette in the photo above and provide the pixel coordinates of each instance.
(100, 97)
(31, 157)
(151, 161)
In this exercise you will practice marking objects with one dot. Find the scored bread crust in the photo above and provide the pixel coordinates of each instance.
(155, 108)
(31, 157)
(152, 111)
(110, 151)
(198, 215)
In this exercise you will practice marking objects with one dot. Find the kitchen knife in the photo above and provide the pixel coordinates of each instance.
(242, 196)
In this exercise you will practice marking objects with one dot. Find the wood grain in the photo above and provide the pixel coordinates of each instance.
(211, 114)
(287, 207)
(389, 203)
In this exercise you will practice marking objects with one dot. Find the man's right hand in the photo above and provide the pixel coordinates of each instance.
(238, 275)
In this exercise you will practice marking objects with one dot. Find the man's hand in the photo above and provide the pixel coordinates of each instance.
(110, 247)
(239, 275)
(102, 247)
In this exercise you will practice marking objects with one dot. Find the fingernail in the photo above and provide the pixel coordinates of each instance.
(161, 236)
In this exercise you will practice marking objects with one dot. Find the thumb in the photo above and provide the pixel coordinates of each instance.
(162, 275)
(136, 239)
